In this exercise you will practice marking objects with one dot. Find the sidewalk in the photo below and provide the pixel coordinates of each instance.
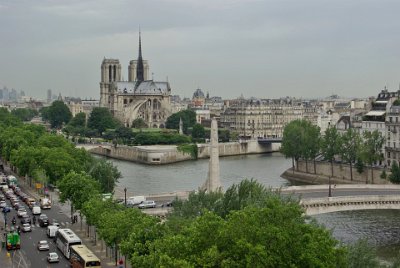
(99, 249)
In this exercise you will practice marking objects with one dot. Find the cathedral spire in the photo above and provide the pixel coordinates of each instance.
(140, 68)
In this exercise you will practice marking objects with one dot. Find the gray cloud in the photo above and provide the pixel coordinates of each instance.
(258, 48)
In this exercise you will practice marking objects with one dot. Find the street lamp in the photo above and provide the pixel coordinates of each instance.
(125, 195)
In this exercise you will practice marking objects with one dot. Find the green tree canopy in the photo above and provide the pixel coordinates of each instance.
(78, 188)
(188, 120)
(198, 131)
(101, 119)
(371, 150)
(139, 123)
(331, 145)
(273, 236)
(24, 114)
(349, 148)
(106, 174)
(78, 121)
(57, 114)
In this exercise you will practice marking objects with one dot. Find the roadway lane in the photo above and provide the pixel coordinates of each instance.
(29, 240)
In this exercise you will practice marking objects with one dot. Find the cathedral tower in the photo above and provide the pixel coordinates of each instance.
(110, 72)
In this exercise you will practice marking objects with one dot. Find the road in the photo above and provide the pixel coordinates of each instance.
(29, 252)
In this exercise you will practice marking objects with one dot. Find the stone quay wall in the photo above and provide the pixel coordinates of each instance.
(341, 173)
(166, 154)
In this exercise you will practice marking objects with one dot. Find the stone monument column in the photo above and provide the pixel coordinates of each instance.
(213, 182)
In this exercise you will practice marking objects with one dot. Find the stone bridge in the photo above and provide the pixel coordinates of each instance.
(315, 206)
(90, 146)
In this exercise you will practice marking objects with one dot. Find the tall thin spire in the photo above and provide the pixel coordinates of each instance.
(140, 68)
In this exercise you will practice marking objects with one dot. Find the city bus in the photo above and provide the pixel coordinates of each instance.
(65, 238)
(82, 257)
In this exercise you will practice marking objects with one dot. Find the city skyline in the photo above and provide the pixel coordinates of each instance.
(265, 49)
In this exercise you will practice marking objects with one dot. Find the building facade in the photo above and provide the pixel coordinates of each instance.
(139, 97)
(265, 118)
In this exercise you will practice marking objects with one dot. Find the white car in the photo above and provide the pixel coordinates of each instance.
(53, 257)
(147, 204)
(43, 245)
(26, 227)
(21, 212)
(3, 204)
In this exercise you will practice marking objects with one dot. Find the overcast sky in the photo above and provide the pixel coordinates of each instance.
(260, 48)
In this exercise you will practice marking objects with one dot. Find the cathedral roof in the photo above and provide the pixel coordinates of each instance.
(148, 87)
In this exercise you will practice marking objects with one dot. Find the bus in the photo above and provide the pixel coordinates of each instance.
(65, 238)
(12, 181)
(82, 257)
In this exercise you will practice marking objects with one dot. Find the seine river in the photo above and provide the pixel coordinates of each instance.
(380, 227)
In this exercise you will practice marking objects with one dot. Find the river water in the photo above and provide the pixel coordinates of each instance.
(380, 227)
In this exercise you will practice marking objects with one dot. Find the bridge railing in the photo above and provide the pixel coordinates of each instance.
(344, 200)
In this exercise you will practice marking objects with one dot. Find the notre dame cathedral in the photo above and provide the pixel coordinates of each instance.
(139, 97)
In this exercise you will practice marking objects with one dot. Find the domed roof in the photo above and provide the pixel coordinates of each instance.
(198, 94)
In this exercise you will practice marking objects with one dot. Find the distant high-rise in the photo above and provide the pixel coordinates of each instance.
(49, 96)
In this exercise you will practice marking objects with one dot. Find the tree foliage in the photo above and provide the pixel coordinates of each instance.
(371, 150)
(57, 114)
(24, 114)
(139, 123)
(106, 174)
(331, 145)
(350, 144)
(78, 188)
(198, 131)
(394, 176)
(188, 119)
(101, 119)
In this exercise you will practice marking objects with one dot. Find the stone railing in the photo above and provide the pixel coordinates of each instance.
(315, 206)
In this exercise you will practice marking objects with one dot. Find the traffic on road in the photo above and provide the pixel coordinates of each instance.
(37, 229)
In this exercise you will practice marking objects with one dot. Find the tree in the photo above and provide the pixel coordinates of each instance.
(78, 188)
(198, 131)
(106, 174)
(24, 114)
(188, 119)
(124, 133)
(349, 148)
(292, 137)
(139, 123)
(372, 149)
(275, 235)
(79, 120)
(116, 224)
(311, 144)
(330, 145)
(101, 119)
(58, 114)
(394, 177)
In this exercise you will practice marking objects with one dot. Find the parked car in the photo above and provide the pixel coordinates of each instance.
(147, 204)
(53, 257)
(3, 204)
(43, 245)
(26, 227)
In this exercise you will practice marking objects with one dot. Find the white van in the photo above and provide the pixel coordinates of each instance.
(36, 210)
(52, 230)
(135, 200)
